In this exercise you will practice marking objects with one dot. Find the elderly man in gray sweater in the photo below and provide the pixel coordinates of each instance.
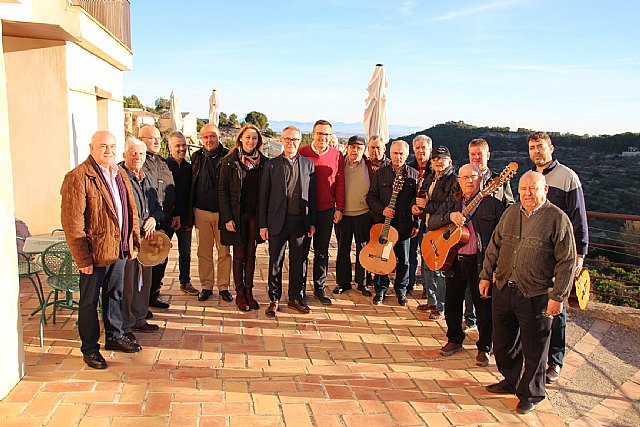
(531, 259)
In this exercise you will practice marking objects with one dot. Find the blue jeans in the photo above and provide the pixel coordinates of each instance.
(433, 282)
(109, 282)
(470, 318)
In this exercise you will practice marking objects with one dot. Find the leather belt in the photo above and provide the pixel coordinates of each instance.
(463, 258)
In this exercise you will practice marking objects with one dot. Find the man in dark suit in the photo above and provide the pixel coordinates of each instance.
(286, 214)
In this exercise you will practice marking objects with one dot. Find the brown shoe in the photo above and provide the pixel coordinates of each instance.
(426, 307)
(436, 315)
(482, 358)
(188, 288)
(272, 309)
(553, 373)
(298, 306)
(450, 348)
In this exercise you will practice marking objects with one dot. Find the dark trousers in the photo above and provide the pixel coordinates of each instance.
(381, 283)
(294, 233)
(244, 256)
(184, 261)
(107, 281)
(321, 239)
(557, 346)
(347, 229)
(521, 336)
(135, 294)
(465, 276)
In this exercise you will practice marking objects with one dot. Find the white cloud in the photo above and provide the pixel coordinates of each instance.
(407, 6)
(477, 9)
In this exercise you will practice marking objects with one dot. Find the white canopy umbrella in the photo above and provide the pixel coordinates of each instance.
(214, 108)
(175, 115)
(375, 111)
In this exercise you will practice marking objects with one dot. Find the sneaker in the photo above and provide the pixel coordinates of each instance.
(188, 288)
(450, 348)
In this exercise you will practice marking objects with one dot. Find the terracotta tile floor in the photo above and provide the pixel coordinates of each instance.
(350, 364)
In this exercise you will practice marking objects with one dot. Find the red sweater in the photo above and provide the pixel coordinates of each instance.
(329, 177)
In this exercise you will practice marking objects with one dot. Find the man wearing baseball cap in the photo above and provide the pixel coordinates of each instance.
(356, 219)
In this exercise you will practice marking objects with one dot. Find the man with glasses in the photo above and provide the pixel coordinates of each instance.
(330, 200)
(468, 262)
(286, 214)
(156, 169)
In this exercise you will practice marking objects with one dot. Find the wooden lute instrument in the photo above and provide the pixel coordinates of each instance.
(440, 246)
(378, 256)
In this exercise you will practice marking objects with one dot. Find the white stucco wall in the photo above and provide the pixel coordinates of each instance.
(12, 363)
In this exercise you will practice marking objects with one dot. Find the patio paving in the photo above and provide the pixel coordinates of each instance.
(349, 364)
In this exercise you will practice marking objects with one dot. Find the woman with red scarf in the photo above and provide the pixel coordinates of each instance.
(240, 175)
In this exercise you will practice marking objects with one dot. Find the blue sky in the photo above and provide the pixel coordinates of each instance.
(556, 65)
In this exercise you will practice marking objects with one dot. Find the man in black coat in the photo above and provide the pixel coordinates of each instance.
(204, 210)
(402, 219)
(480, 222)
(155, 167)
(286, 214)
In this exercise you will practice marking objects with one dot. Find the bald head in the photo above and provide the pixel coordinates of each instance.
(469, 179)
(103, 148)
(150, 135)
(533, 190)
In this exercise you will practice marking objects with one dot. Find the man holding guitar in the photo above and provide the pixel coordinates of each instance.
(398, 217)
(480, 223)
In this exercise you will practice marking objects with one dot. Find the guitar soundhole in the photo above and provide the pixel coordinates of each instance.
(446, 234)
(382, 240)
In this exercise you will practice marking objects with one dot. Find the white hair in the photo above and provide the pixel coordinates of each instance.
(133, 142)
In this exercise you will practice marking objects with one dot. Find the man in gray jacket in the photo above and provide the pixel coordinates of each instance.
(531, 255)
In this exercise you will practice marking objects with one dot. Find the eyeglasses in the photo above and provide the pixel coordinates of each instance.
(321, 134)
(468, 177)
(290, 140)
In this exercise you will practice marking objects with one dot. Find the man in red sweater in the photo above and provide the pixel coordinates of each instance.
(330, 201)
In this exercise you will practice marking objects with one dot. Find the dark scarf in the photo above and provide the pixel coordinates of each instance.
(249, 160)
(208, 177)
(122, 189)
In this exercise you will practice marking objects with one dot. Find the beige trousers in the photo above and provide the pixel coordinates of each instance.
(207, 234)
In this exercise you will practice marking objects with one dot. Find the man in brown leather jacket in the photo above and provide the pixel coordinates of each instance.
(101, 226)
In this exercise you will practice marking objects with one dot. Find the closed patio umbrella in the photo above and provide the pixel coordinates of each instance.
(214, 108)
(175, 115)
(375, 112)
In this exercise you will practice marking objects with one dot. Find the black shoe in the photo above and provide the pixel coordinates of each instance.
(204, 294)
(482, 358)
(149, 315)
(503, 387)
(226, 295)
(341, 289)
(131, 337)
(147, 327)
(402, 300)
(379, 298)
(553, 373)
(525, 407)
(365, 290)
(409, 289)
(122, 344)
(322, 297)
(158, 303)
(95, 360)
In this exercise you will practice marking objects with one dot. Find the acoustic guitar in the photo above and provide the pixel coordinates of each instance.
(378, 256)
(579, 296)
(440, 246)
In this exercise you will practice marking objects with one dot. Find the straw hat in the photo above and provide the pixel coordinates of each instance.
(154, 251)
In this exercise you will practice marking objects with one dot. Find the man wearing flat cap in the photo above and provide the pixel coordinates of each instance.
(356, 218)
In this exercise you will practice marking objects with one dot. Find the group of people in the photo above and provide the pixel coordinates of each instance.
(513, 274)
